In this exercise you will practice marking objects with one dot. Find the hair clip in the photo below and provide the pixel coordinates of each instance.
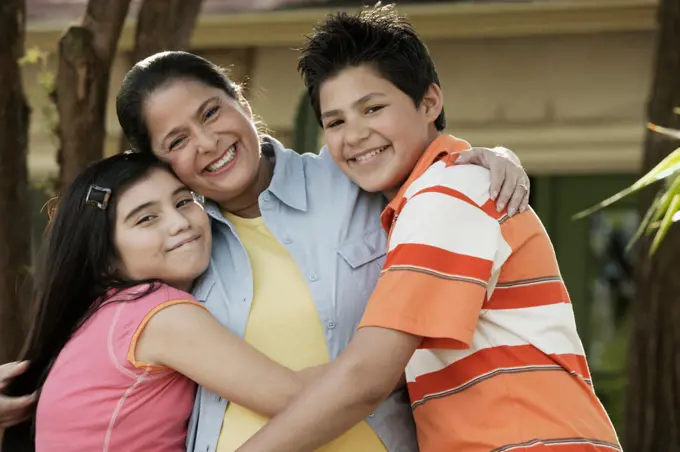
(98, 197)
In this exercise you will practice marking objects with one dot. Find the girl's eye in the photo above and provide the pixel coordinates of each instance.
(175, 143)
(374, 108)
(145, 219)
(332, 124)
(184, 202)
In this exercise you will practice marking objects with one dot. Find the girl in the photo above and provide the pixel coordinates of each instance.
(115, 327)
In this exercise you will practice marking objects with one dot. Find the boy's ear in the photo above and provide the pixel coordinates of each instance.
(433, 102)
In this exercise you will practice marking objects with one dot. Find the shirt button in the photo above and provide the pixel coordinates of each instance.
(331, 325)
(266, 197)
(287, 240)
(371, 415)
(313, 277)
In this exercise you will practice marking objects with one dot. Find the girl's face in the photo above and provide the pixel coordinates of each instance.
(208, 138)
(161, 231)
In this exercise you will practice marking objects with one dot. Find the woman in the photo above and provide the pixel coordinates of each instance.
(297, 248)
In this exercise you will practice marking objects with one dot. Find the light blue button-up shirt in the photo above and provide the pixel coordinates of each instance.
(332, 229)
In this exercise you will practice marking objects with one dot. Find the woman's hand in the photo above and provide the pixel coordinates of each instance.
(509, 181)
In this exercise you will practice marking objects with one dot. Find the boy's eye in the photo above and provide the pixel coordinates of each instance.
(374, 108)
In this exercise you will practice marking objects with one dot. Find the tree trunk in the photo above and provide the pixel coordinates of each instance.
(162, 25)
(653, 396)
(86, 54)
(15, 245)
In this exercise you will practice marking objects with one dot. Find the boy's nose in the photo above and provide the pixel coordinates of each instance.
(356, 132)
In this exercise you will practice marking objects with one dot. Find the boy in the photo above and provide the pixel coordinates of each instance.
(479, 313)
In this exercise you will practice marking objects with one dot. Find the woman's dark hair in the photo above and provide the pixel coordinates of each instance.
(155, 72)
(76, 269)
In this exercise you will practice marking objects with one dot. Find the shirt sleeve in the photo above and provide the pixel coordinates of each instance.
(440, 259)
(134, 311)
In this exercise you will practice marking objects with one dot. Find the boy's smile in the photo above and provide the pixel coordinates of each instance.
(373, 130)
(368, 156)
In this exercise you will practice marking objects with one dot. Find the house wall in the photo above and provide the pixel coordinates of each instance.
(566, 104)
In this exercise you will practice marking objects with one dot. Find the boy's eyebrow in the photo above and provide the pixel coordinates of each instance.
(197, 113)
(141, 207)
(359, 101)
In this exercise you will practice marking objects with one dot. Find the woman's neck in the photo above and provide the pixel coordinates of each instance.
(247, 205)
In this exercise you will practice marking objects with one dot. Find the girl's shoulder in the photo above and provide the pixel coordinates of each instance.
(150, 294)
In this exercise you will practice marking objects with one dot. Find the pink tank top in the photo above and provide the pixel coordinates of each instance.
(95, 399)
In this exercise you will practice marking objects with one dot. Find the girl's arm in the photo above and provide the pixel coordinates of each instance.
(186, 338)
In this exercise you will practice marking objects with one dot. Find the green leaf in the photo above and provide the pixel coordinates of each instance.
(673, 133)
(666, 198)
(32, 56)
(665, 224)
(645, 225)
(667, 167)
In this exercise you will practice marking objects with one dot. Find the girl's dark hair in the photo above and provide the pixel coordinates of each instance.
(155, 72)
(75, 271)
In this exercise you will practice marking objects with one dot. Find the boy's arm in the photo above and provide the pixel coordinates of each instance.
(354, 385)
(14, 410)
(431, 290)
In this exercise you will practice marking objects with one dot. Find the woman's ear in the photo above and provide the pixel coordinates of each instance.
(240, 98)
(433, 102)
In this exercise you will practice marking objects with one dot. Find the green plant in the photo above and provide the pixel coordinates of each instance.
(47, 81)
(306, 131)
(665, 210)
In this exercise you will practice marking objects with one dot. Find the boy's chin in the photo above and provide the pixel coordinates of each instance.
(373, 186)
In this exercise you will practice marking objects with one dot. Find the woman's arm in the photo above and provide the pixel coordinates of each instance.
(509, 181)
(186, 338)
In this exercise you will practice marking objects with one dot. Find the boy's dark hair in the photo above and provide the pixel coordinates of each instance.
(377, 37)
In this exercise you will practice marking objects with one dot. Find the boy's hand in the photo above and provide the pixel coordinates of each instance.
(13, 410)
(506, 172)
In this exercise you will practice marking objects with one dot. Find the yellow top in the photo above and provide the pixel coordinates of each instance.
(285, 326)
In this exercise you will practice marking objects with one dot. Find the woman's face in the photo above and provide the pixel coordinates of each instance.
(208, 138)
(161, 231)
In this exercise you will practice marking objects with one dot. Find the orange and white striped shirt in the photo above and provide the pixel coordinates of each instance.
(501, 366)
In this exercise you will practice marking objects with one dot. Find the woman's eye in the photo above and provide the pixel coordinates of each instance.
(211, 112)
(374, 108)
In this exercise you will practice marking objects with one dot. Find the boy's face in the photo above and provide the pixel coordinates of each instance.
(373, 130)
